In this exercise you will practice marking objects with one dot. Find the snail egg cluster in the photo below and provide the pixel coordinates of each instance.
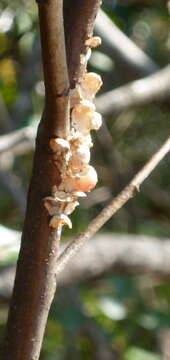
(72, 155)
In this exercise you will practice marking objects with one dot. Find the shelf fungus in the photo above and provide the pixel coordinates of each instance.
(71, 156)
(90, 84)
(93, 42)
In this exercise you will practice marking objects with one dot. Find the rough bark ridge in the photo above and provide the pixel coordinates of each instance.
(35, 278)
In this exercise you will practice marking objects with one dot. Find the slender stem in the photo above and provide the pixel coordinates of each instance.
(55, 65)
(129, 191)
(151, 164)
(53, 47)
(35, 281)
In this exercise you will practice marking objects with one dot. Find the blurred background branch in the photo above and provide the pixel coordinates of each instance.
(124, 51)
(105, 253)
(155, 87)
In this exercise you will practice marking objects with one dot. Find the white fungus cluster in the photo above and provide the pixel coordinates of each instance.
(72, 155)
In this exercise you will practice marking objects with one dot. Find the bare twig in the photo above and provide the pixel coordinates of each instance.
(155, 87)
(129, 191)
(124, 51)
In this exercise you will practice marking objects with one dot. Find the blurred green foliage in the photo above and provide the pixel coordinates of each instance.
(115, 317)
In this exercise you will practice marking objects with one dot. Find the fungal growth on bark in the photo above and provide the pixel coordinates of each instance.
(71, 156)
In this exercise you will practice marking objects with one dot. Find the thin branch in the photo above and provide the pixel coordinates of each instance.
(151, 165)
(53, 47)
(39, 249)
(124, 51)
(155, 87)
(55, 64)
(129, 191)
